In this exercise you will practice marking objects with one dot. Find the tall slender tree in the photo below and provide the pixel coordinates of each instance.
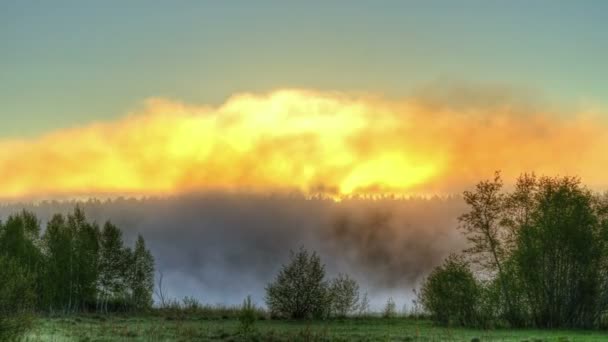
(85, 259)
(57, 248)
(485, 230)
(141, 277)
(113, 264)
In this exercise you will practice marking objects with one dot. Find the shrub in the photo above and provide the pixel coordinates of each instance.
(363, 309)
(450, 293)
(17, 298)
(191, 304)
(390, 309)
(344, 293)
(247, 316)
(299, 290)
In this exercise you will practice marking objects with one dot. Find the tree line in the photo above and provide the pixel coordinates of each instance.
(73, 266)
(537, 256)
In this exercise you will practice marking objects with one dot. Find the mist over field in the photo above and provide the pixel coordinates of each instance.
(220, 247)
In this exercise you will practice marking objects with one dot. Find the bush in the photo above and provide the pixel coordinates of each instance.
(247, 316)
(363, 308)
(450, 293)
(390, 309)
(344, 293)
(191, 304)
(299, 290)
(17, 299)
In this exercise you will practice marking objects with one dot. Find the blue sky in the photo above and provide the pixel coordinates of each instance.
(70, 63)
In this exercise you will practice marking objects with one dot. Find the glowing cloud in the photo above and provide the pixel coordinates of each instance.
(308, 141)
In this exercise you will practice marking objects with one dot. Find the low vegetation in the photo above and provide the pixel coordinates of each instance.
(155, 328)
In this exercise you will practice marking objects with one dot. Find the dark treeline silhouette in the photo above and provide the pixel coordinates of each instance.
(73, 266)
(538, 257)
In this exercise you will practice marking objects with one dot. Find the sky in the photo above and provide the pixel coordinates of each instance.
(528, 76)
(65, 63)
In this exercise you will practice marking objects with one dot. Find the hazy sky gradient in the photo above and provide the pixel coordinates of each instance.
(66, 63)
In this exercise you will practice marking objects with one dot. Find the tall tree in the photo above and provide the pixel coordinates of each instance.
(85, 258)
(113, 263)
(484, 228)
(20, 243)
(559, 254)
(141, 275)
(20, 240)
(57, 248)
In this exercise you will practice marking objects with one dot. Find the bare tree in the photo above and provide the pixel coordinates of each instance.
(160, 292)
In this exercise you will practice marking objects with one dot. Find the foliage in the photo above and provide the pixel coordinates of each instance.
(559, 252)
(113, 265)
(141, 276)
(17, 298)
(76, 267)
(344, 294)
(364, 308)
(247, 316)
(450, 293)
(299, 291)
(542, 249)
(390, 309)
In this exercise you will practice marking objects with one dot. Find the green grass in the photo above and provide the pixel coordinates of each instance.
(118, 328)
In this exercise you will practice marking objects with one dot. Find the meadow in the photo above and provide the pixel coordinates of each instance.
(168, 328)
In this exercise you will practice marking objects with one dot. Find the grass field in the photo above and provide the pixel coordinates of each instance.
(117, 328)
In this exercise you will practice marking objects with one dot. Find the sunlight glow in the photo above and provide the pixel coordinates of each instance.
(307, 141)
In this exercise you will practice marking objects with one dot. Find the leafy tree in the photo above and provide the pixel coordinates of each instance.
(113, 264)
(73, 265)
(17, 299)
(450, 293)
(85, 257)
(485, 228)
(247, 316)
(559, 254)
(57, 248)
(20, 242)
(299, 290)
(390, 309)
(141, 277)
(19, 239)
(363, 305)
(344, 293)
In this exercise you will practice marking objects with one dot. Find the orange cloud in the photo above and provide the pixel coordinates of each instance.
(308, 141)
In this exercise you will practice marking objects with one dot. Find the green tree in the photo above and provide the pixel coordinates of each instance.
(450, 293)
(57, 249)
(247, 317)
(85, 257)
(299, 291)
(17, 299)
(559, 255)
(344, 294)
(20, 242)
(113, 266)
(390, 308)
(141, 277)
(488, 234)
